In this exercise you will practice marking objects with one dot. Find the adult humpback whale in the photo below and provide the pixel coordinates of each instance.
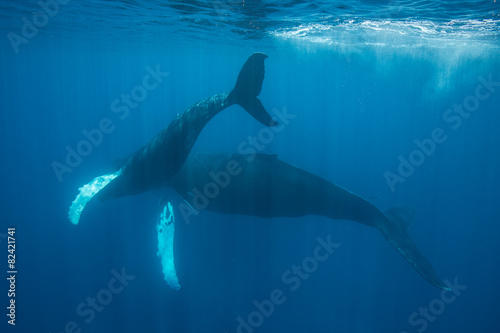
(264, 186)
(152, 165)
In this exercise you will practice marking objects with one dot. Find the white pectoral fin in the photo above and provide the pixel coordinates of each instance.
(87, 192)
(166, 229)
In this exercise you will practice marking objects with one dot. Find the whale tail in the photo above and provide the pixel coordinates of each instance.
(248, 87)
(394, 230)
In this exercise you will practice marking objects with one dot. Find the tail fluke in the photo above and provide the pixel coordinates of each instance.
(396, 234)
(248, 87)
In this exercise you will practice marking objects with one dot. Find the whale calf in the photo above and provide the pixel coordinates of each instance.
(262, 185)
(152, 165)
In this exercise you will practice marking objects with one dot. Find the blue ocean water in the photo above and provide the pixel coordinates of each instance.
(396, 101)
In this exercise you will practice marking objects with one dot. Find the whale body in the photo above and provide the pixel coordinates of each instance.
(155, 163)
(262, 185)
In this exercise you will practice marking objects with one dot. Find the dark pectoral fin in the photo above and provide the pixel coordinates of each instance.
(255, 108)
(401, 215)
(407, 248)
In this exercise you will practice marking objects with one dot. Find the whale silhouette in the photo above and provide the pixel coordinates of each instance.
(262, 185)
(258, 185)
(152, 165)
(155, 163)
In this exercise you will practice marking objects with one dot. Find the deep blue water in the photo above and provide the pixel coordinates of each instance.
(364, 79)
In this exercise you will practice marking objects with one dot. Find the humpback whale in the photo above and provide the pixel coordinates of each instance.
(258, 184)
(152, 165)
(262, 185)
